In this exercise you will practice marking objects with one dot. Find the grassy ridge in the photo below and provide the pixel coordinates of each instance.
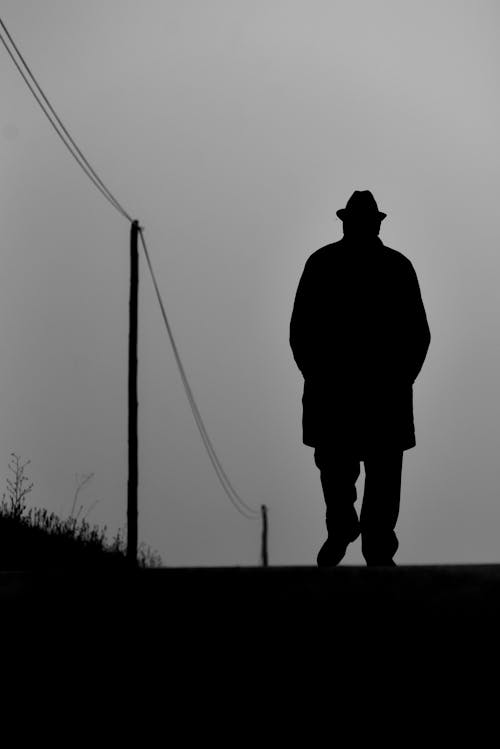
(33, 538)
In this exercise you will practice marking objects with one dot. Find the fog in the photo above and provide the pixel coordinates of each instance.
(233, 131)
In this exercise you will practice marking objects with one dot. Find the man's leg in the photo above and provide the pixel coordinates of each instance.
(380, 510)
(339, 472)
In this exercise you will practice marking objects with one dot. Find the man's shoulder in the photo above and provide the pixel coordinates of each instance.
(327, 251)
(396, 255)
(337, 252)
(398, 261)
(330, 250)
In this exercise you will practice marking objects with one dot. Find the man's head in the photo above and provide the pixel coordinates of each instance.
(361, 216)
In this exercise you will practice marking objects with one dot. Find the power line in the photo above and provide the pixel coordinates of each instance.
(79, 157)
(73, 148)
(224, 480)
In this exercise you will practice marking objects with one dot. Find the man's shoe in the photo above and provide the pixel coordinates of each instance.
(331, 554)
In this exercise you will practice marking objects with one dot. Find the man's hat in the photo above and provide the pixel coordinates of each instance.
(361, 203)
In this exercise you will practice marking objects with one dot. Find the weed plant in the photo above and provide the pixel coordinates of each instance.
(34, 538)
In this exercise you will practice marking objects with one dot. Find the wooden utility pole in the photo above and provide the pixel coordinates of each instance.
(264, 557)
(132, 509)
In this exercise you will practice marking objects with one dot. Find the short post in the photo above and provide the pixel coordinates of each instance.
(264, 556)
(132, 508)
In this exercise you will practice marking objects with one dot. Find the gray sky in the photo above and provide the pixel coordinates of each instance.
(234, 131)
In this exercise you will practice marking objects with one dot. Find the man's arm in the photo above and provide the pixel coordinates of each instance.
(302, 321)
(416, 328)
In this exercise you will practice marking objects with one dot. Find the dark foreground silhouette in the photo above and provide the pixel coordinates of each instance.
(359, 335)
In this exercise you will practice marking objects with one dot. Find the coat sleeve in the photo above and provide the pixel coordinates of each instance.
(416, 335)
(302, 327)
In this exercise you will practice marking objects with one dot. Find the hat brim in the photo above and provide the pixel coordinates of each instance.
(342, 213)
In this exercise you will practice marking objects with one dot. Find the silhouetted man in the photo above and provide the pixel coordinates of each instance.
(359, 335)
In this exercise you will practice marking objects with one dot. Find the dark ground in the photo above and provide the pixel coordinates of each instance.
(423, 635)
(253, 604)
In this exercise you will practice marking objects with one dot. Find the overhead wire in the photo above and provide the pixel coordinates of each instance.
(73, 148)
(231, 492)
(82, 161)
